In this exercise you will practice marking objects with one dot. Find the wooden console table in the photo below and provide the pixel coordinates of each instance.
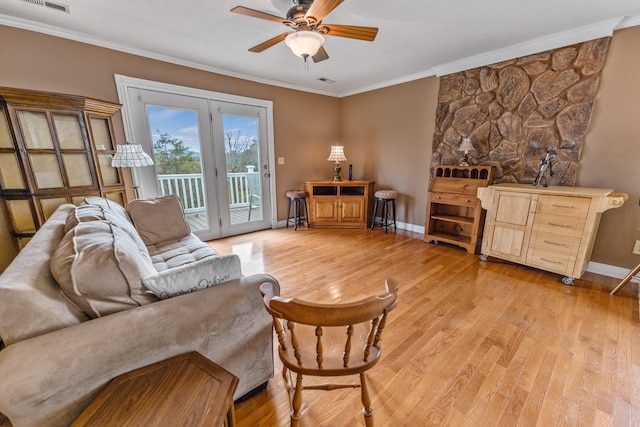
(184, 390)
(342, 204)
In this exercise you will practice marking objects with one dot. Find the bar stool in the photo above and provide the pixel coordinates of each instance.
(384, 197)
(299, 198)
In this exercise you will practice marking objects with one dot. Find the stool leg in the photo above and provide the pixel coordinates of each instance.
(288, 211)
(393, 205)
(373, 217)
(385, 214)
(306, 212)
(296, 213)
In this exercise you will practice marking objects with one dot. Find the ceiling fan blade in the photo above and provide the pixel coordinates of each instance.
(266, 45)
(350, 31)
(257, 14)
(321, 8)
(321, 55)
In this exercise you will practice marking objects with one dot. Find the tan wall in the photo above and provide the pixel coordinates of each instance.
(387, 133)
(612, 149)
(387, 136)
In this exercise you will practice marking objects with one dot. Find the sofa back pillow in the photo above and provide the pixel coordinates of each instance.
(192, 277)
(158, 219)
(117, 217)
(100, 269)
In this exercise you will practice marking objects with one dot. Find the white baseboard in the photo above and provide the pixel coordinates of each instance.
(610, 270)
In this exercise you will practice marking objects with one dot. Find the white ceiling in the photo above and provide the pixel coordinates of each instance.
(416, 38)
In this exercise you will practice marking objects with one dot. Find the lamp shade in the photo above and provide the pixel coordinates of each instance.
(304, 43)
(130, 156)
(337, 154)
(465, 145)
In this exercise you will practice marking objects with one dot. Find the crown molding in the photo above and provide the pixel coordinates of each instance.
(553, 41)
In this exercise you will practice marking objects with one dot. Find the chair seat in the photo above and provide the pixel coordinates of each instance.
(386, 194)
(296, 194)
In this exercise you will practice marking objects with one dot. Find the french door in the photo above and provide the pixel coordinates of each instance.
(212, 154)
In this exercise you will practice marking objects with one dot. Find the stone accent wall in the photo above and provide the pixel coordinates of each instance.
(547, 97)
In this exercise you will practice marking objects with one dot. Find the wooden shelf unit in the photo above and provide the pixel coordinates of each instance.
(454, 213)
(342, 204)
(551, 228)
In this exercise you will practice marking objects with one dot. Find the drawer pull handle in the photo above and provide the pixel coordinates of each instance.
(554, 243)
(563, 206)
(551, 261)
(559, 225)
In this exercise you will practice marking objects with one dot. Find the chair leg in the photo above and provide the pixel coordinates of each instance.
(288, 211)
(296, 402)
(366, 401)
(385, 216)
(306, 212)
(393, 206)
(296, 214)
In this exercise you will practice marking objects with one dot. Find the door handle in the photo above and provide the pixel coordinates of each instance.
(266, 175)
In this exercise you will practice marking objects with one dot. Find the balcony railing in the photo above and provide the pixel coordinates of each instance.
(190, 189)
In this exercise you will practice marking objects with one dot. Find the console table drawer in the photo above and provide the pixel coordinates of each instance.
(576, 207)
(560, 225)
(454, 199)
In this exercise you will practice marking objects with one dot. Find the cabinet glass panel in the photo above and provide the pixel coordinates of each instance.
(10, 174)
(77, 167)
(116, 197)
(109, 174)
(5, 135)
(21, 217)
(50, 205)
(101, 134)
(22, 242)
(46, 170)
(69, 132)
(35, 129)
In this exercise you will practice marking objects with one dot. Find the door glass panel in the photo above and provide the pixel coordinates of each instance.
(5, 135)
(46, 170)
(176, 149)
(21, 216)
(68, 130)
(243, 168)
(77, 167)
(35, 129)
(50, 205)
(101, 134)
(10, 175)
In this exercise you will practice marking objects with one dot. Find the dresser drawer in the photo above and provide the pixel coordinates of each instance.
(453, 199)
(556, 244)
(557, 263)
(576, 207)
(556, 224)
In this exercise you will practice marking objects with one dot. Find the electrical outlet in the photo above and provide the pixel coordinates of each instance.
(281, 160)
(636, 248)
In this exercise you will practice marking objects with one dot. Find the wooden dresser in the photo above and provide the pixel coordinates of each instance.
(342, 204)
(552, 228)
(454, 214)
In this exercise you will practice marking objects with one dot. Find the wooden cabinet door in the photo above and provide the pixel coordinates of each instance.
(324, 209)
(352, 209)
(509, 226)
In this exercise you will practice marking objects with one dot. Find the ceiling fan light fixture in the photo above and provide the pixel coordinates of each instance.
(304, 43)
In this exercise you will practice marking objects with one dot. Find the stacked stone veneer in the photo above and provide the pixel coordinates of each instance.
(546, 97)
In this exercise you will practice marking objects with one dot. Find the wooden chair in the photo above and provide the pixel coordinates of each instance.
(329, 340)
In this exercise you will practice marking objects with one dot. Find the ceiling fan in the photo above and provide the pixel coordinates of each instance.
(305, 20)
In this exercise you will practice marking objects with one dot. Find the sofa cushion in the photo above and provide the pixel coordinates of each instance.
(197, 275)
(100, 269)
(177, 252)
(158, 219)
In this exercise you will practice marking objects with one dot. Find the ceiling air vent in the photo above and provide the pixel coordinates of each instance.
(326, 80)
(52, 5)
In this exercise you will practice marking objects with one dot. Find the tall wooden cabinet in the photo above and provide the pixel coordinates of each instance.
(454, 214)
(54, 149)
(551, 228)
(343, 204)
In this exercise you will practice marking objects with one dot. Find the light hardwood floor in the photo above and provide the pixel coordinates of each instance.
(471, 343)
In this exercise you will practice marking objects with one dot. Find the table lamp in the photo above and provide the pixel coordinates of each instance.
(337, 155)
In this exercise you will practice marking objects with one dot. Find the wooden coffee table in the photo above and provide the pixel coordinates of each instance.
(186, 390)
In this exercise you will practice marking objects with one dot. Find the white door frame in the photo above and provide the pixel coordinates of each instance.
(125, 82)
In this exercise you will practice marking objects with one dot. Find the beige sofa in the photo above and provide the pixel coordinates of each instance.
(65, 339)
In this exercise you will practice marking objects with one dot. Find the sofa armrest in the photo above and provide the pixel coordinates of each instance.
(50, 379)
